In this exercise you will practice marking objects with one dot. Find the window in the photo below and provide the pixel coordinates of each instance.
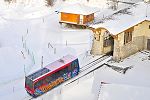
(48, 79)
(39, 73)
(29, 82)
(107, 39)
(39, 83)
(65, 70)
(69, 68)
(74, 64)
(127, 37)
(149, 26)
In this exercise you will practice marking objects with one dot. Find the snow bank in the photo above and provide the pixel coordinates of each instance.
(11, 64)
(123, 92)
(137, 76)
(92, 3)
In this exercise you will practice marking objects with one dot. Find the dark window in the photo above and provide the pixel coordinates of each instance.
(127, 37)
(65, 70)
(46, 80)
(149, 26)
(37, 84)
(69, 68)
(38, 73)
(107, 39)
(57, 74)
(29, 82)
(74, 64)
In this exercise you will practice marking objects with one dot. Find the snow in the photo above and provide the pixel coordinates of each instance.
(121, 22)
(30, 30)
(8, 70)
(25, 32)
(57, 64)
(138, 76)
(78, 9)
(121, 91)
(67, 93)
(91, 3)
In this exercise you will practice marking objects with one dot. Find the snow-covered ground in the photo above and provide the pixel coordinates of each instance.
(137, 78)
(33, 31)
(123, 92)
(30, 30)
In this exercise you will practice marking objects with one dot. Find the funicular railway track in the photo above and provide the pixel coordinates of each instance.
(85, 70)
(89, 65)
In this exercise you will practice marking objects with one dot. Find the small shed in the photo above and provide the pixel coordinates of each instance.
(77, 14)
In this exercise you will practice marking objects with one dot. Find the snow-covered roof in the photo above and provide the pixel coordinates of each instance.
(120, 22)
(78, 9)
(61, 62)
(124, 92)
(52, 67)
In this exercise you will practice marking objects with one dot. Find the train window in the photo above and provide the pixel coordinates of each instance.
(57, 74)
(47, 79)
(38, 73)
(76, 64)
(65, 70)
(53, 77)
(39, 83)
(29, 82)
(61, 72)
(72, 65)
(69, 68)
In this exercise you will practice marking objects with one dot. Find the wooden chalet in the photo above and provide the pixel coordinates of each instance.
(77, 14)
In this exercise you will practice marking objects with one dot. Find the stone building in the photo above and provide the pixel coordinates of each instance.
(127, 34)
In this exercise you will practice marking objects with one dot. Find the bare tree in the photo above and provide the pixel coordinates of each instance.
(113, 4)
(50, 2)
(9, 1)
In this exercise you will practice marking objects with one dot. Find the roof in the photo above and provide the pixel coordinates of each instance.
(78, 9)
(120, 22)
(61, 62)
(124, 92)
(52, 66)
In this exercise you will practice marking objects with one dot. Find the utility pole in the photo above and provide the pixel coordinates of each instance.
(146, 8)
(42, 62)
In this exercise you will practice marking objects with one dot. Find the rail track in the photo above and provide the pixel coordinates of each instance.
(89, 65)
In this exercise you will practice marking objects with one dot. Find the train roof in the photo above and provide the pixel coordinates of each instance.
(52, 66)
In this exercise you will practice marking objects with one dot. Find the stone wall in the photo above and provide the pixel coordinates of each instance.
(139, 41)
(136, 45)
(97, 47)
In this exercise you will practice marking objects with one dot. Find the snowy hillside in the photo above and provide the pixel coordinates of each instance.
(33, 31)
(30, 31)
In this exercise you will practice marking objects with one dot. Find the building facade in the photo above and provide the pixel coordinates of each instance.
(76, 18)
(132, 40)
(123, 44)
(76, 14)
